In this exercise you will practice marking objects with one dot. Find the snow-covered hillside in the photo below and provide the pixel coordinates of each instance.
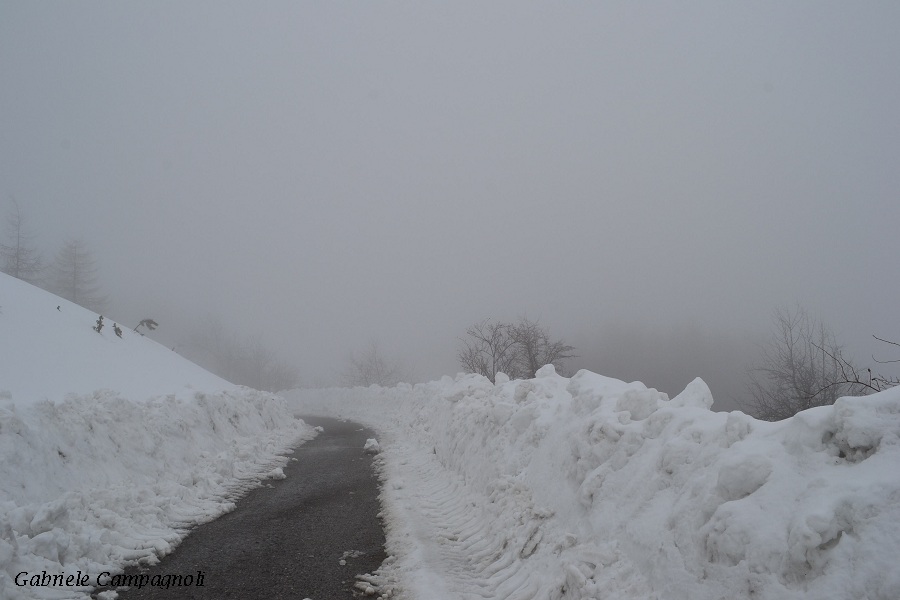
(111, 448)
(590, 487)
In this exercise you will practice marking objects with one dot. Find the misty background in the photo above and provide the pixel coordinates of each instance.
(650, 181)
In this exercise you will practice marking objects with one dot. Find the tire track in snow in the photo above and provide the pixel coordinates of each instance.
(476, 552)
(461, 543)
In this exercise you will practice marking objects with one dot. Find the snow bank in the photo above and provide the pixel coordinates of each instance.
(114, 447)
(592, 487)
(99, 481)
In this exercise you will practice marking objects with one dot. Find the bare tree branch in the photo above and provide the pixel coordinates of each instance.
(517, 350)
(803, 366)
(535, 348)
(884, 362)
(488, 350)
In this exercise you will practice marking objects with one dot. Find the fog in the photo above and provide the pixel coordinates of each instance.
(649, 180)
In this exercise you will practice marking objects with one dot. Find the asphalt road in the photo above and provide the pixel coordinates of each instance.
(287, 541)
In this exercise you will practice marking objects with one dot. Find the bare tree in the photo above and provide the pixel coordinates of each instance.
(371, 367)
(868, 381)
(20, 258)
(489, 349)
(801, 367)
(518, 350)
(75, 276)
(534, 348)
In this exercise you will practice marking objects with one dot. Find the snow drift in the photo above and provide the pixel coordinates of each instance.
(590, 487)
(113, 448)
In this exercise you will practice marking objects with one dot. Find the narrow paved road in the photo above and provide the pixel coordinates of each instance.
(287, 541)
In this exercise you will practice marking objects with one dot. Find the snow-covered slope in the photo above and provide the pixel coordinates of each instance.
(111, 448)
(590, 487)
(48, 349)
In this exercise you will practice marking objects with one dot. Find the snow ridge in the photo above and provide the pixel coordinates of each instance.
(592, 487)
(98, 482)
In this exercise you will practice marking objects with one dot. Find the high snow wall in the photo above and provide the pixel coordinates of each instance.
(601, 488)
(99, 481)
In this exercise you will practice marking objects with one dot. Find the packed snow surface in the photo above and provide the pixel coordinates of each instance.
(111, 447)
(590, 487)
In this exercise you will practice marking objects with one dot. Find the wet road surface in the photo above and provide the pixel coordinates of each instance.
(287, 541)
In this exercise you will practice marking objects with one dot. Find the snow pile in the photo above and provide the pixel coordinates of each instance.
(590, 487)
(143, 446)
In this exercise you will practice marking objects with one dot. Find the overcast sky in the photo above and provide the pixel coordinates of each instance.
(324, 174)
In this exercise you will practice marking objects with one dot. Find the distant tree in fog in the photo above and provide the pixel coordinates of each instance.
(74, 276)
(371, 367)
(265, 371)
(488, 349)
(243, 361)
(18, 256)
(534, 349)
(214, 348)
(517, 349)
(803, 366)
